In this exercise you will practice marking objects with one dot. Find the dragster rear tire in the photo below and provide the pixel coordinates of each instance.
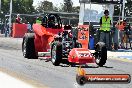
(100, 54)
(56, 53)
(28, 47)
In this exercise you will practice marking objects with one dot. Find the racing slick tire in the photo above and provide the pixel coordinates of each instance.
(81, 80)
(28, 47)
(100, 54)
(56, 53)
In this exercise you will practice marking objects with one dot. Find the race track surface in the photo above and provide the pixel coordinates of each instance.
(63, 76)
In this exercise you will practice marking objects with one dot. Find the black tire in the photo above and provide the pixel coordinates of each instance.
(81, 80)
(28, 47)
(56, 53)
(100, 54)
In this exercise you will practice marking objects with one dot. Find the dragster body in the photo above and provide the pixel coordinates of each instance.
(44, 37)
(81, 55)
(62, 42)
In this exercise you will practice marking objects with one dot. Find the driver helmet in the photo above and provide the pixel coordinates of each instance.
(52, 18)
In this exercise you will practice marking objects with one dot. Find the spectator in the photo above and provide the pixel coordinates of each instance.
(121, 24)
(105, 24)
(18, 19)
(29, 27)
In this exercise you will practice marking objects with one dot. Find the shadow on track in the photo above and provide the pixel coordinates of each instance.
(65, 63)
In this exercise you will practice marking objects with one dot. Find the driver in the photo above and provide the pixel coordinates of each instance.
(45, 21)
(121, 24)
(51, 22)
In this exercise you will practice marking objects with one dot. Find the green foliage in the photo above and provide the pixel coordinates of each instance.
(56, 9)
(23, 6)
(76, 9)
(19, 6)
(45, 6)
(68, 5)
(5, 6)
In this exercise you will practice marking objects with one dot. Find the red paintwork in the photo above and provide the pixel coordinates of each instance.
(83, 38)
(74, 56)
(84, 32)
(19, 30)
(43, 37)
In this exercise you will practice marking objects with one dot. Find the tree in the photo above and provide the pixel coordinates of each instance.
(61, 8)
(76, 9)
(28, 6)
(56, 9)
(68, 5)
(18, 6)
(45, 6)
(4, 6)
(23, 6)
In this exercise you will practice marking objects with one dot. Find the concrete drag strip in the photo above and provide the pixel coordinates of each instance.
(9, 79)
(12, 82)
(121, 55)
(126, 57)
(11, 43)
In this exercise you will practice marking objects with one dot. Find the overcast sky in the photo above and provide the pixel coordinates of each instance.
(57, 2)
(75, 3)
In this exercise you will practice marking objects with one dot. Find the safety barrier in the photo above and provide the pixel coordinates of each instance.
(19, 30)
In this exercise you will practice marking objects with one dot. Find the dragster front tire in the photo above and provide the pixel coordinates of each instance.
(28, 47)
(100, 54)
(56, 53)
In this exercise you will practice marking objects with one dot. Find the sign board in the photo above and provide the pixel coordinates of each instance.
(83, 35)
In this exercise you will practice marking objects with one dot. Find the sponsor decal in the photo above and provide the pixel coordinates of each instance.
(83, 78)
